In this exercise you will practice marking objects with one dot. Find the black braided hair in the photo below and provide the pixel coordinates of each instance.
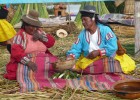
(24, 24)
(97, 20)
(3, 13)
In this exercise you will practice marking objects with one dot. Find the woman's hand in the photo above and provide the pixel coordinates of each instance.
(37, 36)
(93, 54)
(31, 65)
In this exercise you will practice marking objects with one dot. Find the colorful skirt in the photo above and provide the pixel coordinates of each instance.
(100, 75)
(31, 81)
(6, 30)
(124, 62)
(102, 65)
(98, 82)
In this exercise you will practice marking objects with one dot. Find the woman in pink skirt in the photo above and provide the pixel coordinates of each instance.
(31, 61)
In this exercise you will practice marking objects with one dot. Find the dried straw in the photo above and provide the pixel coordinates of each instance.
(9, 90)
(123, 30)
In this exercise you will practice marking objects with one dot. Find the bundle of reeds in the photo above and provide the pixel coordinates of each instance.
(123, 30)
(22, 9)
(11, 13)
(129, 7)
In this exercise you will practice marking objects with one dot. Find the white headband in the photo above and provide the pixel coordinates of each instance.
(93, 18)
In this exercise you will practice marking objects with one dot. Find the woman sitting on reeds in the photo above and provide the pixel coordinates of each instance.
(98, 54)
(31, 61)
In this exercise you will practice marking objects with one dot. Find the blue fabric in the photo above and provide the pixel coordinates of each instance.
(82, 44)
(43, 1)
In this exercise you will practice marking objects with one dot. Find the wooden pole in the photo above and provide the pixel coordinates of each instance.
(137, 28)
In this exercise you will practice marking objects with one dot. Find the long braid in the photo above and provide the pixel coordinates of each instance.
(24, 24)
(99, 21)
(120, 50)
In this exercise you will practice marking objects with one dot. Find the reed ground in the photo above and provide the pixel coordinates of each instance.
(9, 90)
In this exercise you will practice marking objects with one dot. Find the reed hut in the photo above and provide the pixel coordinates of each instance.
(129, 6)
(60, 10)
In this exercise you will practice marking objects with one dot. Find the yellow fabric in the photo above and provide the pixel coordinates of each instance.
(127, 64)
(83, 62)
(6, 30)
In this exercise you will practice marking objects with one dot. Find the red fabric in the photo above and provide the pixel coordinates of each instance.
(11, 69)
(17, 53)
(50, 41)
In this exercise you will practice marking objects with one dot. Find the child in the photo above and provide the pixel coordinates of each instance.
(7, 31)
